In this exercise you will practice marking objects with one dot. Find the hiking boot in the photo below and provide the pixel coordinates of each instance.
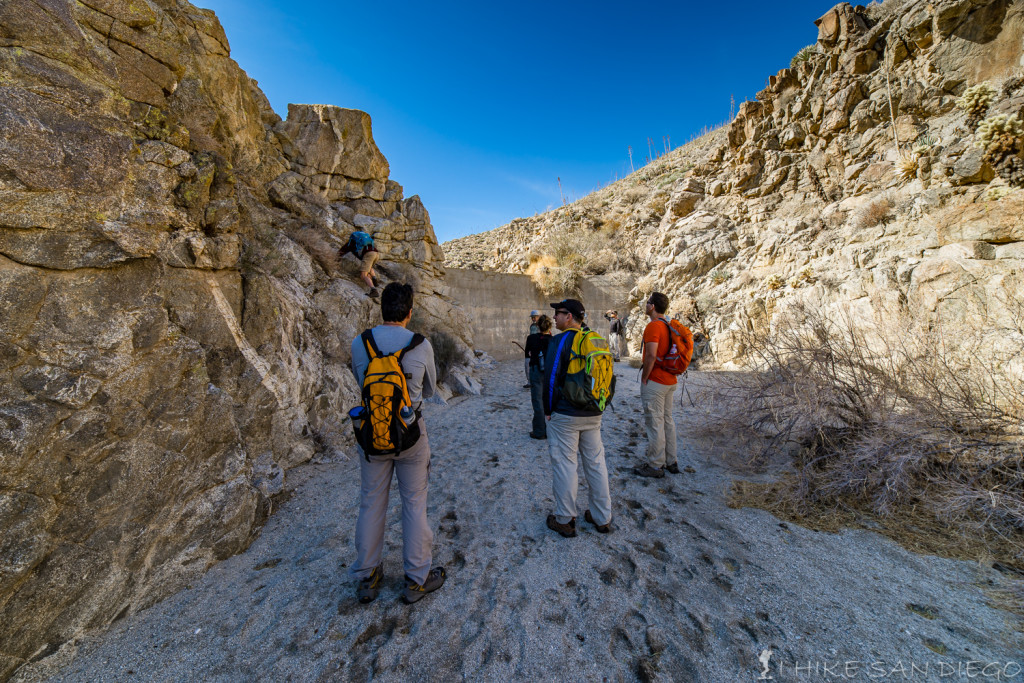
(415, 591)
(538, 436)
(673, 468)
(601, 528)
(567, 530)
(373, 293)
(646, 470)
(526, 386)
(370, 586)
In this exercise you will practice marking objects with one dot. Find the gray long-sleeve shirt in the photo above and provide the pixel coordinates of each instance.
(419, 362)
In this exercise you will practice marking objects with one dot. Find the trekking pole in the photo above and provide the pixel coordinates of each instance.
(687, 392)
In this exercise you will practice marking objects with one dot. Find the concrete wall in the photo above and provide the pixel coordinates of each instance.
(499, 304)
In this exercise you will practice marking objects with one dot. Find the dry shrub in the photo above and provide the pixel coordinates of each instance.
(875, 212)
(447, 353)
(896, 420)
(634, 195)
(317, 245)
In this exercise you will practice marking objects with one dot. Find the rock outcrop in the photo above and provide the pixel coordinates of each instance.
(174, 332)
(868, 175)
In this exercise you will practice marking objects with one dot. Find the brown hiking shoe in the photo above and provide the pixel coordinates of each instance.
(646, 470)
(601, 528)
(415, 591)
(673, 468)
(370, 586)
(567, 530)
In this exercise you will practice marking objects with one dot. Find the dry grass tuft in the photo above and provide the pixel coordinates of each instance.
(876, 212)
(896, 422)
(317, 245)
(447, 353)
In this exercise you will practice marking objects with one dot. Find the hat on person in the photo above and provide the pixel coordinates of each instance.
(534, 312)
(611, 312)
(573, 306)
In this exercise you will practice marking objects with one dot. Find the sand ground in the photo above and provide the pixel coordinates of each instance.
(685, 589)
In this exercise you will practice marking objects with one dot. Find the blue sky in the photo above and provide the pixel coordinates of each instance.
(480, 108)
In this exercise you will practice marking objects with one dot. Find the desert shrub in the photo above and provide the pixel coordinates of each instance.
(774, 282)
(447, 353)
(720, 275)
(557, 280)
(803, 55)
(889, 418)
(634, 195)
(876, 212)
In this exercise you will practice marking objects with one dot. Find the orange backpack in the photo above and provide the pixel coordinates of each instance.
(680, 350)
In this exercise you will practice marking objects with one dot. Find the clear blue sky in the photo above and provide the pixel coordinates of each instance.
(479, 107)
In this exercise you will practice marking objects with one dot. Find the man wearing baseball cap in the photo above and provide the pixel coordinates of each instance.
(571, 430)
(534, 329)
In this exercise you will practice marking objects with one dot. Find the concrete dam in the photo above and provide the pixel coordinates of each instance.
(499, 305)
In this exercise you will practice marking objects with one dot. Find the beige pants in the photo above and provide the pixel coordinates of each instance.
(412, 469)
(366, 263)
(567, 436)
(661, 428)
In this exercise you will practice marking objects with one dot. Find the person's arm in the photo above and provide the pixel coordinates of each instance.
(650, 356)
(429, 371)
(360, 361)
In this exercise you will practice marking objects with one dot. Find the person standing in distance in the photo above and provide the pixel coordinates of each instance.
(411, 466)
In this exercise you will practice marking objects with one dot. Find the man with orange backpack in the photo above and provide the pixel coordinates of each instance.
(667, 350)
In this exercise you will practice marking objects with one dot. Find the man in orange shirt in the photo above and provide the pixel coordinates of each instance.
(656, 390)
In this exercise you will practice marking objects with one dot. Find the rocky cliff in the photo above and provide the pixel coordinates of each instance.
(881, 171)
(174, 329)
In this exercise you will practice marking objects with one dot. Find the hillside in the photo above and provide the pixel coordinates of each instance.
(862, 177)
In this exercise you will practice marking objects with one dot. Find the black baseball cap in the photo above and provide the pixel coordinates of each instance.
(573, 306)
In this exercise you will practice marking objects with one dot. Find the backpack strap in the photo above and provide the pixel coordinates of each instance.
(417, 339)
(370, 344)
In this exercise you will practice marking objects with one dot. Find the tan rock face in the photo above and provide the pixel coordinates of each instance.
(173, 333)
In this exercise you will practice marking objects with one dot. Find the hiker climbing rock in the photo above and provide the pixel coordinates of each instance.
(667, 349)
(579, 383)
(536, 347)
(616, 337)
(396, 370)
(362, 246)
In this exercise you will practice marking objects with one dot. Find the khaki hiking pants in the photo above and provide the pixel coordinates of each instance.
(661, 428)
(567, 435)
(366, 263)
(412, 469)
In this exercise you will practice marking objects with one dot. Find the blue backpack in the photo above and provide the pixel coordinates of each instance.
(360, 241)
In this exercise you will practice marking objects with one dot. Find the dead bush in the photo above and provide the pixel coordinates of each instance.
(891, 419)
(317, 245)
(876, 212)
(447, 353)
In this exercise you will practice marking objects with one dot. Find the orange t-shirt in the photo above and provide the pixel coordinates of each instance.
(657, 331)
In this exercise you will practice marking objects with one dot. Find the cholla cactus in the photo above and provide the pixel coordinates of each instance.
(774, 282)
(975, 101)
(806, 274)
(1002, 138)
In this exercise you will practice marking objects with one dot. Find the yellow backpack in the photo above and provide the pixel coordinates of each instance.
(590, 374)
(385, 423)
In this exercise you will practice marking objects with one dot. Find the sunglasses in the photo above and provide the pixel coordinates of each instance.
(561, 312)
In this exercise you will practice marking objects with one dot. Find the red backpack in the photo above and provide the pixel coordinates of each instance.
(680, 350)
